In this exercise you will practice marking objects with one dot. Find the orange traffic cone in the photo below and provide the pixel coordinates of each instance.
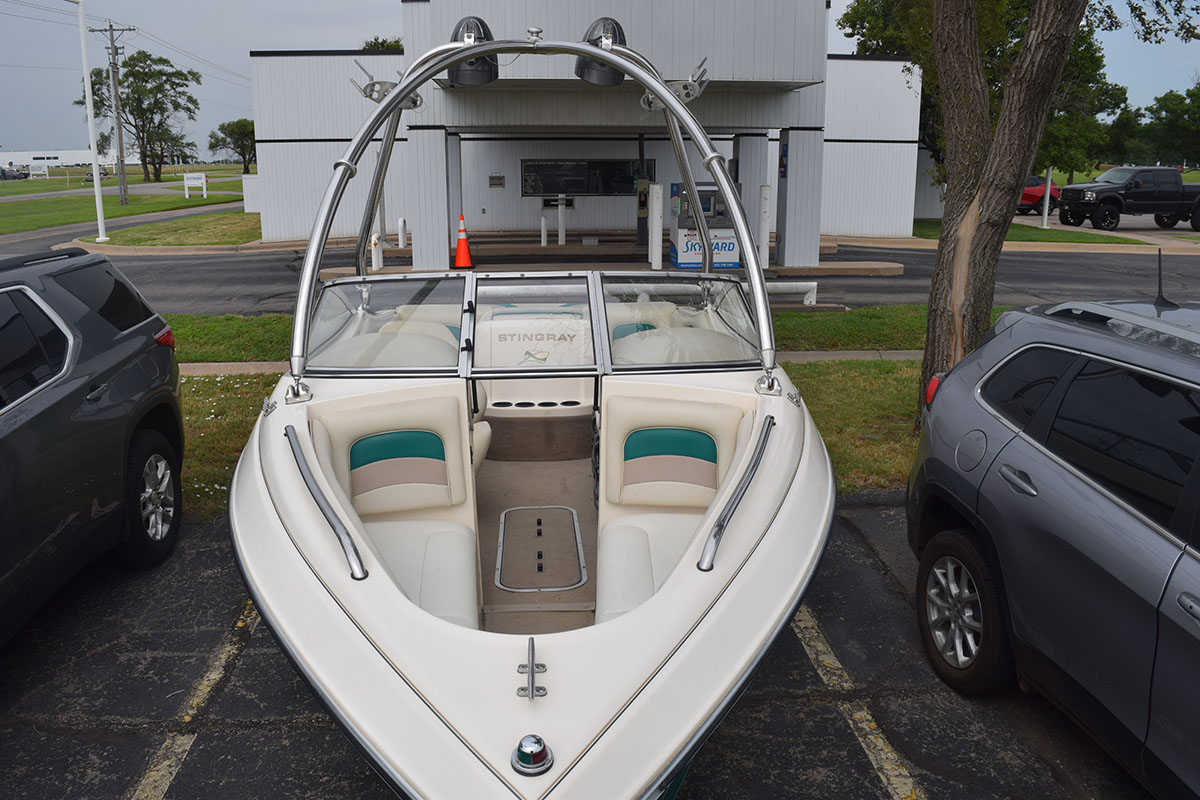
(462, 255)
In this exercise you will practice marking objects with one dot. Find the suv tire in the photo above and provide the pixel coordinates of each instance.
(960, 617)
(1166, 220)
(1106, 218)
(152, 501)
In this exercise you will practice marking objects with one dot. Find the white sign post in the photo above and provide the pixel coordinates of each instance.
(40, 171)
(198, 180)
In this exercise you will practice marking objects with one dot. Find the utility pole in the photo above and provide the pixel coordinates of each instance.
(114, 80)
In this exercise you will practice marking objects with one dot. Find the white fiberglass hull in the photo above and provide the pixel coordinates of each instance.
(434, 705)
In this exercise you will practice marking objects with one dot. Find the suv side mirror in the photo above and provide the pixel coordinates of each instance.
(1137, 184)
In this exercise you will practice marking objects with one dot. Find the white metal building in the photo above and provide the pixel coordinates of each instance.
(476, 150)
(56, 158)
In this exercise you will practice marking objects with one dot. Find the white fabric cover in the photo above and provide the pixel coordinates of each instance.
(434, 563)
(635, 554)
(680, 346)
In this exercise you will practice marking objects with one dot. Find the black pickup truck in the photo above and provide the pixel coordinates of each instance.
(1131, 190)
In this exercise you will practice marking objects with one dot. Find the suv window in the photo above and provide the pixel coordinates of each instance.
(1134, 434)
(30, 353)
(1019, 387)
(108, 295)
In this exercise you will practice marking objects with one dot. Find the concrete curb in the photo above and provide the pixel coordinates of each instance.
(913, 243)
(796, 356)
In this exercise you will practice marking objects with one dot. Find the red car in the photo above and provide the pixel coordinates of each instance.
(1031, 198)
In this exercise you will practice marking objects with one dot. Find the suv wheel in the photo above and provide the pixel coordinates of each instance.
(1166, 220)
(1106, 218)
(152, 500)
(958, 612)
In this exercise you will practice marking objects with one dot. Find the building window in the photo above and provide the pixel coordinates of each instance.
(495, 181)
(601, 177)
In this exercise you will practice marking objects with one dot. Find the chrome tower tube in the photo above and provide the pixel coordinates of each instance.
(442, 58)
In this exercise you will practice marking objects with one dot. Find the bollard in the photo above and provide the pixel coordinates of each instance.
(376, 253)
(402, 232)
(562, 220)
(656, 225)
(545, 236)
(764, 223)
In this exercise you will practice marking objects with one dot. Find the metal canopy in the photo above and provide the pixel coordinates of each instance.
(437, 61)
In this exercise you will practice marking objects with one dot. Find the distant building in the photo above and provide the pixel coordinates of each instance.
(486, 151)
(59, 158)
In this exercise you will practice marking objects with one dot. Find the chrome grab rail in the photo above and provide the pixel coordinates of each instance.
(357, 570)
(446, 56)
(709, 554)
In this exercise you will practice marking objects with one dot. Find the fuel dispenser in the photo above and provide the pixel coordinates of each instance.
(685, 235)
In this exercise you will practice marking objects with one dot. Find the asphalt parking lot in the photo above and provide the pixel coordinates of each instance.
(163, 685)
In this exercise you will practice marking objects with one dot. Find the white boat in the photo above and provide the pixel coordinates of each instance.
(530, 534)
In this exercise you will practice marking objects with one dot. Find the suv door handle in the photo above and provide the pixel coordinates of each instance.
(96, 393)
(1018, 480)
(1190, 604)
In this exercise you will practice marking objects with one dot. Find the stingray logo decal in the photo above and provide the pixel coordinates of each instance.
(535, 337)
(536, 356)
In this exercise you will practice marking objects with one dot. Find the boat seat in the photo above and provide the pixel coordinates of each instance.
(434, 563)
(634, 555)
(481, 429)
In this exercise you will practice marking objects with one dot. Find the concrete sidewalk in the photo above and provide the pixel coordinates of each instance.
(795, 356)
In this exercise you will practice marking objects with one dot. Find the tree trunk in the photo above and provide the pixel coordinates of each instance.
(245, 166)
(158, 173)
(985, 166)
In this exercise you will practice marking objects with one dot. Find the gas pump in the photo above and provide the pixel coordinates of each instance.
(685, 233)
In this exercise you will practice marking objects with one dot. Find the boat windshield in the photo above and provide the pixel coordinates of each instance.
(521, 324)
(692, 320)
(388, 324)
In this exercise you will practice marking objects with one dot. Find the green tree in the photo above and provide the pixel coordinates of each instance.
(236, 136)
(383, 43)
(995, 97)
(155, 98)
(1126, 138)
(1173, 125)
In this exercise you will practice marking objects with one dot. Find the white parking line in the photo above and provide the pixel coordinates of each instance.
(170, 757)
(888, 766)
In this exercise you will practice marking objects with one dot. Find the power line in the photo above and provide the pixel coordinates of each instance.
(37, 19)
(214, 102)
(189, 54)
(50, 9)
(35, 66)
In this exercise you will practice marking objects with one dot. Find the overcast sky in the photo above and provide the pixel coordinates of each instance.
(40, 61)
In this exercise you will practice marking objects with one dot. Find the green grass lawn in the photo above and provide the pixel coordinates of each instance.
(231, 338)
(28, 215)
(932, 229)
(225, 227)
(868, 328)
(865, 411)
(218, 413)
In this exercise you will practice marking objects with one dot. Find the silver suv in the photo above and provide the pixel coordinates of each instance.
(1054, 508)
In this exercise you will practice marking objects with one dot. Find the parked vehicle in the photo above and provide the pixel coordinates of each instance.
(497, 520)
(1131, 190)
(1035, 190)
(91, 437)
(1055, 509)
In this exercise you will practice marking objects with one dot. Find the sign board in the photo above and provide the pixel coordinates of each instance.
(195, 180)
(686, 249)
(40, 171)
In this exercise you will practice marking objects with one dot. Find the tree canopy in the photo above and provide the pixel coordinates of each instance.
(155, 98)
(236, 136)
(1173, 126)
(384, 43)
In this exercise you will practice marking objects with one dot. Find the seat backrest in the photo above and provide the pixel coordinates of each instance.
(399, 456)
(672, 453)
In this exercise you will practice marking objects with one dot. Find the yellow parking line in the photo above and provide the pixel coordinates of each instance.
(170, 756)
(888, 765)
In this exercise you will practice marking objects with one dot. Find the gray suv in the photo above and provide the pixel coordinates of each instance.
(90, 432)
(1054, 508)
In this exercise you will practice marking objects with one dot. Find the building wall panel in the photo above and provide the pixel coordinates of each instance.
(865, 189)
